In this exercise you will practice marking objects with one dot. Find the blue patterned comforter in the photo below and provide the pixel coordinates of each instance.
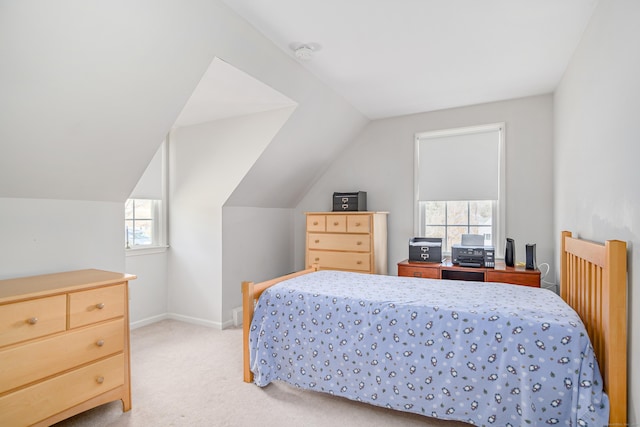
(483, 353)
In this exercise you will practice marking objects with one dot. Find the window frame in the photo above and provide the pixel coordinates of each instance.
(157, 239)
(498, 207)
(446, 249)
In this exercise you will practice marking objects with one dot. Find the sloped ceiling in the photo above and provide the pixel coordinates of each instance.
(89, 89)
(391, 58)
(224, 92)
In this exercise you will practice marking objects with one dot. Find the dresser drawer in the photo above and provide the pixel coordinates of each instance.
(337, 223)
(26, 363)
(21, 321)
(316, 222)
(424, 272)
(340, 242)
(358, 224)
(515, 278)
(96, 305)
(32, 404)
(341, 260)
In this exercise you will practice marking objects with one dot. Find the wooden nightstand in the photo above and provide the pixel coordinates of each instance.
(447, 270)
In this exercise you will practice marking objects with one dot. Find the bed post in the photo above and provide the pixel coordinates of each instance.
(614, 307)
(247, 315)
(563, 265)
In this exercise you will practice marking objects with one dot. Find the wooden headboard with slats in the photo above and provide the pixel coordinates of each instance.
(593, 281)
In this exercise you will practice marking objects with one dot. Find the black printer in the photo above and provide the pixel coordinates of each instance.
(473, 253)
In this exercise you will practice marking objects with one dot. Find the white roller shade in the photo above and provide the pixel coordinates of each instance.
(460, 165)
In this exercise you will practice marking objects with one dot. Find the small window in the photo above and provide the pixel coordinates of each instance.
(141, 217)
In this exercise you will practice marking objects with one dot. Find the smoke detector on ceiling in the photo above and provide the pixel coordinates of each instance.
(304, 51)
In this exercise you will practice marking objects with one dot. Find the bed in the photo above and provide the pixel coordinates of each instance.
(482, 353)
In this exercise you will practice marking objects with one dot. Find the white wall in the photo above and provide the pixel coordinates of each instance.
(597, 151)
(39, 236)
(258, 245)
(380, 161)
(207, 162)
(148, 293)
(86, 100)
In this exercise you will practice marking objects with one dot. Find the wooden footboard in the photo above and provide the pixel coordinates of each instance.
(250, 294)
(593, 281)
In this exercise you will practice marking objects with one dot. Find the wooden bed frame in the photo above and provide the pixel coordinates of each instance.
(593, 280)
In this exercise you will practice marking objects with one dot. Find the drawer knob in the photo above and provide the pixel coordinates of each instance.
(359, 243)
(32, 320)
(357, 224)
(100, 343)
(100, 379)
(359, 262)
(336, 223)
(315, 222)
(317, 240)
(317, 259)
(100, 305)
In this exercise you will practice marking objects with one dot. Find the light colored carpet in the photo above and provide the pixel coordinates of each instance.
(189, 375)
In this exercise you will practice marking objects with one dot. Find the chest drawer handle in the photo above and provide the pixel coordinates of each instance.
(100, 343)
(32, 320)
(100, 379)
(100, 305)
(359, 243)
(317, 240)
(359, 262)
(336, 223)
(317, 259)
(315, 222)
(357, 224)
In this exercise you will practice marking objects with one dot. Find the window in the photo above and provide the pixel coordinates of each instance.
(459, 184)
(451, 219)
(141, 223)
(144, 211)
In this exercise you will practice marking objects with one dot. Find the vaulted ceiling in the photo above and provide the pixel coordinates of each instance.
(90, 89)
(390, 58)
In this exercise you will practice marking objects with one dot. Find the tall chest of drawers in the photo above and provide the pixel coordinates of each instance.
(351, 241)
(64, 345)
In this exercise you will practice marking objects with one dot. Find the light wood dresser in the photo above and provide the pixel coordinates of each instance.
(351, 241)
(64, 345)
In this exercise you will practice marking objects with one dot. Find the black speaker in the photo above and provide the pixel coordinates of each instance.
(530, 248)
(510, 253)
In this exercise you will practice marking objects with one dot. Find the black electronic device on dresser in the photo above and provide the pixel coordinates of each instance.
(354, 201)
(530, 249)
(510, 253)
(471, 252)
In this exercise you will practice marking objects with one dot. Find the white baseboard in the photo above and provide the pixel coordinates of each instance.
(186, 319)
(148, 321)
(195, 320)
